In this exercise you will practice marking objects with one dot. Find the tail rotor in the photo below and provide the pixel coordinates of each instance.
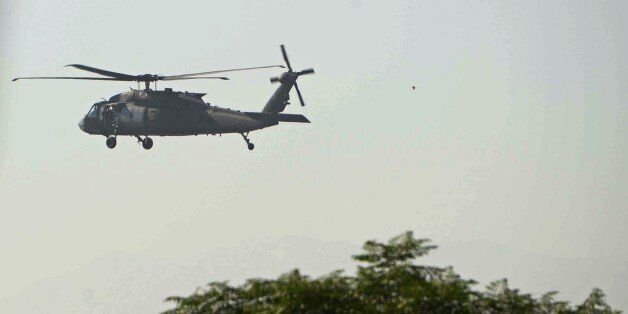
(285, 57)
(291, 76)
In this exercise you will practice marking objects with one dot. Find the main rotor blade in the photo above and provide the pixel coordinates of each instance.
(299, 94)
(67, 78)
(123, 76)
(197, 77)
(285, 57)
(171, 77)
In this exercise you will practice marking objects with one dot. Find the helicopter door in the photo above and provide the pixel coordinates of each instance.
(152, 116)
(132, 116)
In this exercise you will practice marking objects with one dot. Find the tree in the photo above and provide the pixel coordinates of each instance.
(388, 280)
(548, 304)
(595, 303)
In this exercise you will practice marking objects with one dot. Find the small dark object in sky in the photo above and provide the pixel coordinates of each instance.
(413, 87)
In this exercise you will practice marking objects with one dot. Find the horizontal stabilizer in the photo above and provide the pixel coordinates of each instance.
(285, 117)
(279, 117)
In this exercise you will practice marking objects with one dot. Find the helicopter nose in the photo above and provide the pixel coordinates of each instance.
(81, 125)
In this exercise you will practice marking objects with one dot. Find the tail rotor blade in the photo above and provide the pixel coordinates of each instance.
(306, 71)
(296, 86)
(285, 57)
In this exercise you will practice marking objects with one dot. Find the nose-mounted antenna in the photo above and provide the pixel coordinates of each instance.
(291, 75)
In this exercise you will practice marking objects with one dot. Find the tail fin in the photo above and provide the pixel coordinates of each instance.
(278, 101)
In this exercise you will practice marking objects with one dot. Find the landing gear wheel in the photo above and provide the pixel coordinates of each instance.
(249, 145)
(111, 142)
(147, 143)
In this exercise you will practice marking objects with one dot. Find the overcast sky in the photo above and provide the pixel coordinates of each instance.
(510, 154)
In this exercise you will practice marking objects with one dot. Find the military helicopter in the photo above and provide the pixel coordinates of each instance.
(171, 113)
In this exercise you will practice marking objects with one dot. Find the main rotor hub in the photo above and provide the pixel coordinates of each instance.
(149, 77)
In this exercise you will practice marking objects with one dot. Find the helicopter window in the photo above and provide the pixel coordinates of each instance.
(114, 98)
(92, 112)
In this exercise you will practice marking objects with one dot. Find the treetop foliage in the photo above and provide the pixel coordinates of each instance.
(388, 280)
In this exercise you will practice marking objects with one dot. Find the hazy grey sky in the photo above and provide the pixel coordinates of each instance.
(513, 144)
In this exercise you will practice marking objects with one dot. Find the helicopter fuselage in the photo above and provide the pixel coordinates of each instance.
(167, 113)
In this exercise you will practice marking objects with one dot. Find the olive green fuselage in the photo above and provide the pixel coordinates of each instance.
(168, 113)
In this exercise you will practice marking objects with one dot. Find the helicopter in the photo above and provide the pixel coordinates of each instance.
(166, 112)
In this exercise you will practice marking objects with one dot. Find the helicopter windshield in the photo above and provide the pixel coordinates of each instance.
(93, 112)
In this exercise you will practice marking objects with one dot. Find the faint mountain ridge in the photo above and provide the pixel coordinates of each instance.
(138, 283)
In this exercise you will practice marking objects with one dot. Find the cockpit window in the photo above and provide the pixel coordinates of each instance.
(93, 112)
